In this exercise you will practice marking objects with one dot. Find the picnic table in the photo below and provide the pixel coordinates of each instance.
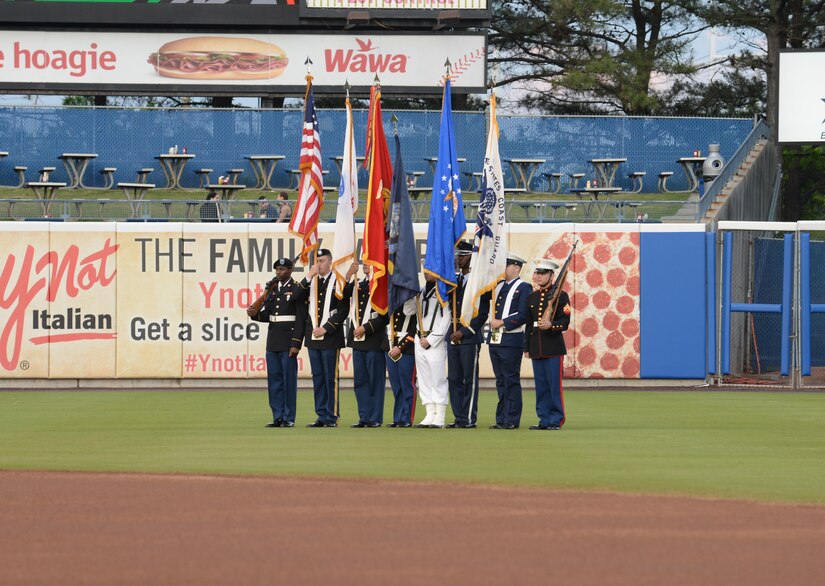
(263, 166)
(227, 190)
(594, 193)
(606, 169)
(523, 171)
(692, 166)
(172, 166)
(44, 192)
(135, 194)
(76, 164)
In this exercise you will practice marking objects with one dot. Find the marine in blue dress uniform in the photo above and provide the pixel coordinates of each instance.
(401, 363)
(544, 344)
(283, 342)
(324, 335)
(464, 346)
(367, 336)
(506, 342)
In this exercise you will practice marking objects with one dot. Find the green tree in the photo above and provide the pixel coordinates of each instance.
(784, 24)
(594, 56)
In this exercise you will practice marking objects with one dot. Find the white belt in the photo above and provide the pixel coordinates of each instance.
(535, 324)
(280, 318)
(517, 330)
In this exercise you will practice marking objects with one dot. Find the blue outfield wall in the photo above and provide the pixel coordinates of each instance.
(130, 139)
(673, 305)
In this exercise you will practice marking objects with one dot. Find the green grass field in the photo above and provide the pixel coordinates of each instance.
(760, 446)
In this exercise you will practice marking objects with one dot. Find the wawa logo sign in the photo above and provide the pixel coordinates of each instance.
(53, 274)
(365, 59)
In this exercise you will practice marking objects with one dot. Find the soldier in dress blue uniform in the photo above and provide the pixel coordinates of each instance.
(401, 363)
(506, 342)
(324, 335)
(283, 342)
(464, 346)
(544, 344)
(367, 337)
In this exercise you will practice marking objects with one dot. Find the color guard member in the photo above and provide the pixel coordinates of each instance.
(367, 337)
(464, 346)
(544, 344)
(401, 363)
(324, 336)
(431, 354)
(506, 342)
(283, 342)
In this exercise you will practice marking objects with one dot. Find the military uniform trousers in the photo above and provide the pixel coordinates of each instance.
(431, 366)
(370, 382)
(402, 381)
(462, 375)
(549, 397)
(507, 368)
(282, 384)
(324, 365)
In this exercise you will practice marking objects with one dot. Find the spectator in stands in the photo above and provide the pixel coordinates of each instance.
(285, 211)
(267, 210)
(210, 210)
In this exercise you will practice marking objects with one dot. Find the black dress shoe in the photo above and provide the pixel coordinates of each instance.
(316, 424)
(287, 424)
(545, 427)
(452, 425)
(276, 423)
(393, 424)
(496, 426)
(330, 424)
(404, 424)
(466, 426)
(373, 424)
(359, 424)
(508, 426)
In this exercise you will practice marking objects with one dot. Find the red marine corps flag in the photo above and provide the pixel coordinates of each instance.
(304, 221)
(378, 198)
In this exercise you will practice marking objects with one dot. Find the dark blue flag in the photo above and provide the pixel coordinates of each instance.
(447, 224)
(403, 257)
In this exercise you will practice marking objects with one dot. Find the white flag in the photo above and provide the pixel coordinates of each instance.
(343, 248)
(490, 242)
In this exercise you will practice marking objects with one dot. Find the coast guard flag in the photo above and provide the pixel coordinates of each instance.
(447, 224)
(378, 195)
(403, 256)
(304, 221)
(343, 249)
(490, 241)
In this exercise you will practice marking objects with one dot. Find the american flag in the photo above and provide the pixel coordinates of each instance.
(304, 221)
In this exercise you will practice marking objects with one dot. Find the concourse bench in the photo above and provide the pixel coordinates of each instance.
(637, 178)
(45, 172)
(574, 180)
(553, 179)
(21, 175)
(143, 174)
(203, 177)
(474, 180)
(663, 177)
(108, 174)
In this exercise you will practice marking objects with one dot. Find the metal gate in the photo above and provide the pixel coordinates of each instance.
(770, 305)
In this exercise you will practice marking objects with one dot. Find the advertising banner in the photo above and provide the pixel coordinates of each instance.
(168, 13)
(245, 64)
(399, 4)
(801, 102)
(157, 300)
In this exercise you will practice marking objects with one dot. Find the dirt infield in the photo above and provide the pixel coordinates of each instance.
(60, 528)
